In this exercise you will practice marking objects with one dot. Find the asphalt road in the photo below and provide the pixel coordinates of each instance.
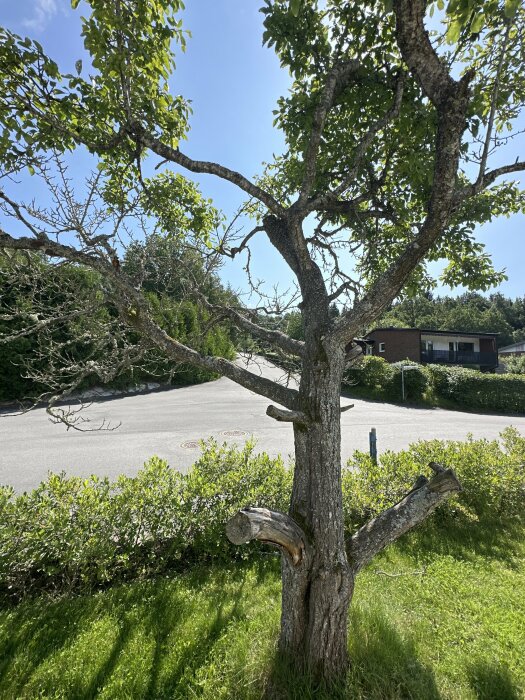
(170, 424)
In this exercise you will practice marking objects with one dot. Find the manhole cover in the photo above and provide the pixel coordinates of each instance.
(190, 445)
(233, 433)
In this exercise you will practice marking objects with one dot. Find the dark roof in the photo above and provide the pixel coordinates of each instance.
(429, 330)
(474, 335)
(513, 346)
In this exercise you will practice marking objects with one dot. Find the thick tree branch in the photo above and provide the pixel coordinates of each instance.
(268, 526)
(387, 527)
(200, 166)
(487, 180)
(337, 80)
(451, 101)
(419, 54)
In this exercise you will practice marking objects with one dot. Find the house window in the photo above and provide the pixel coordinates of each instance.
(381, 347)
(369, 350)
(466, 347)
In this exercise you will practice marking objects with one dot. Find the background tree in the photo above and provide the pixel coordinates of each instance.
(388, 133)
(60, 332)
(470, 312)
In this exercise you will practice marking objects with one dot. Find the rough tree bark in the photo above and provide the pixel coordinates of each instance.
(317, 586)
(318, 566)
(316, 593)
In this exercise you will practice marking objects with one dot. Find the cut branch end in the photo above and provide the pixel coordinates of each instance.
(282, 415)
(268, 526)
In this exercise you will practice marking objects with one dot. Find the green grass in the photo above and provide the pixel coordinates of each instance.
(455, 631)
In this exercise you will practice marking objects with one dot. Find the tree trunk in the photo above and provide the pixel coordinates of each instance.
(317, 592)
(317, 576)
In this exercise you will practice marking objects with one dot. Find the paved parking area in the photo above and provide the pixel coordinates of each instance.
(170, 424)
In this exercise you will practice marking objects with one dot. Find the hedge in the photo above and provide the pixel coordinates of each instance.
(383, 380)
(74, 534)
(467, 388)
(473, 389)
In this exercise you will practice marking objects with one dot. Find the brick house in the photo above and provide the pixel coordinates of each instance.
(439, 347)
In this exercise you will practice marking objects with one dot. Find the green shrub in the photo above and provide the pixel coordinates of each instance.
(473, 389)
(224, 480)
(416, 381)
(371, 372)
(514, 364)
(384, 379)
(466, 388)
(76, 534)
(492, 475)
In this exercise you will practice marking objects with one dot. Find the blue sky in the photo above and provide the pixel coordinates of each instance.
(233, 83)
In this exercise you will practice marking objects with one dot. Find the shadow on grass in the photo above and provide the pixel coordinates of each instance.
(195, 654)
(384, 666)
(500, 540)
(40, 628)
(39, 634)
(490, 681)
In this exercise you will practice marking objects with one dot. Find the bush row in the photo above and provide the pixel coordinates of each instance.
(76, 534)
(498, 392)
(491, 472)
(466, 387)
(73, 534)
(383, 380)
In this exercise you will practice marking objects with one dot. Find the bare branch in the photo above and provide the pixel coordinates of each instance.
(134, 311)
(237, 249)
(274, 337)
(493, 107)
(41, 323)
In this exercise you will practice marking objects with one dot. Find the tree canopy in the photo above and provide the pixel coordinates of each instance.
(399, 142)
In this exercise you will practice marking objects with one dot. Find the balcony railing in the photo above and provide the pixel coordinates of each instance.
(458, 357)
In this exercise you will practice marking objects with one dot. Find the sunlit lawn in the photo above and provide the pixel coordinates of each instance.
(452, 626)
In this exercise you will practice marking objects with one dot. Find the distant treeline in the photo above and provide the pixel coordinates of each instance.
(470, 312)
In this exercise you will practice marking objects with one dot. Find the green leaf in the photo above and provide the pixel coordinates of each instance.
(295, 6)
(453, 32)
(74, 4)
(511, 7)
(477, 23)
